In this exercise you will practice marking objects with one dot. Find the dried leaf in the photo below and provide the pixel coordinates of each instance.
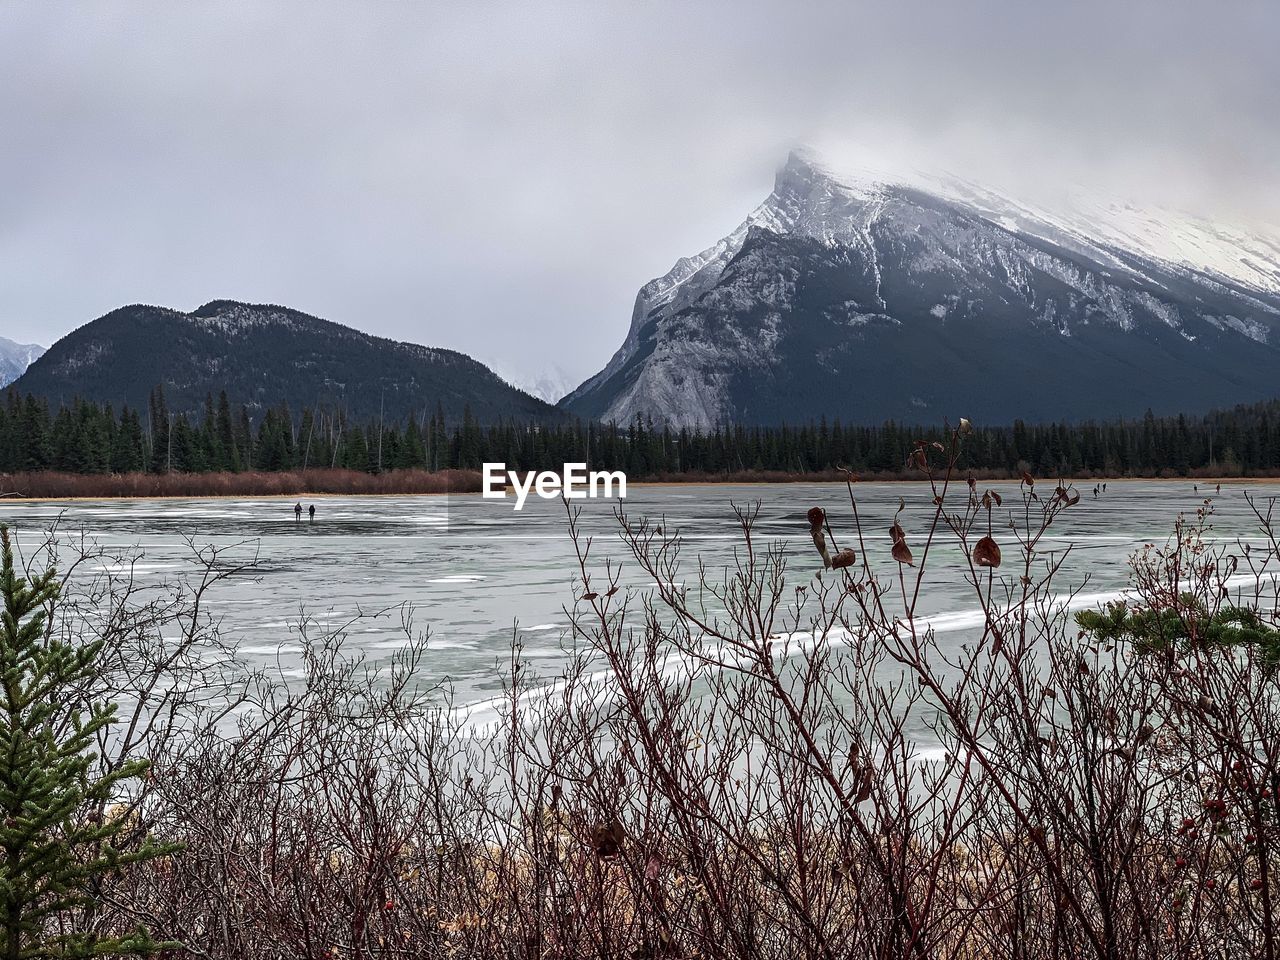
(606, 839)
(864, 786)
(1028, 479)
(817, 517)
(986, 553)
(896, 533)
(902, 553)
(845, 558)
(652, 867)
(820, 544)
(589, 596)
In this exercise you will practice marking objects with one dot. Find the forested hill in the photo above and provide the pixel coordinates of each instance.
(88, 438)
(268, 356)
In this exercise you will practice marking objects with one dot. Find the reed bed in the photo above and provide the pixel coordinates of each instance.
(60, 486)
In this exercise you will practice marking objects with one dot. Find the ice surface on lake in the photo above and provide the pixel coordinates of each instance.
(475, 572)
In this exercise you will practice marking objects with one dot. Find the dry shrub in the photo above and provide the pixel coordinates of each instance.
(738, 760)
(61, 486)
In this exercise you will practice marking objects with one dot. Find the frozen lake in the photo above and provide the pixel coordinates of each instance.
(474, 570)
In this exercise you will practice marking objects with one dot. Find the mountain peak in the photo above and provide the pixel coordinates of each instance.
(216, 307)
(240, 310)
(807, 177)
(869, 297)
(802, 168)
(15, 358)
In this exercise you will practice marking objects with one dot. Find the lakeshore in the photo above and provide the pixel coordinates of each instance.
(54, 485)
(475, 571)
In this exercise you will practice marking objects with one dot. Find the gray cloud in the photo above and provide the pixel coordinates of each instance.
(501, 177)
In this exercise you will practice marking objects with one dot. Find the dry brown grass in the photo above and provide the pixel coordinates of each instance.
(50, 485)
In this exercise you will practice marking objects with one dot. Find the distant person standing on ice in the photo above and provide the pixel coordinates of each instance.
(297, 512)
(311, 512)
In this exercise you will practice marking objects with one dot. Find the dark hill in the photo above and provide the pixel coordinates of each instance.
(265, 355)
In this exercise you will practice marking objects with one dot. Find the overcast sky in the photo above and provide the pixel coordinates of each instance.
(500, 178)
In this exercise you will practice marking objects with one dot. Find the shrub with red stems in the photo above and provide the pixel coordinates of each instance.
(781, 760)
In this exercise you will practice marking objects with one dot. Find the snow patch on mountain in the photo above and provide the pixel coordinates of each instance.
(549, 384)
(1105, 229)
(15, 358)
(718, 322)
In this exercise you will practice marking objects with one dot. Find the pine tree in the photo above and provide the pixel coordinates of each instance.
(244, 440)
(188, 453)
(8, 459)
(128, 453)
(210, 442)
(66, 451)
(226, 435)
(413, 453)
(34, 432)
(158, 412)
(55, 849)
(306, 431)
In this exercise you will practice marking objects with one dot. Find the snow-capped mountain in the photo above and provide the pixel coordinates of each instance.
(868, 298)
(15, 358)
(264, 355)
(549, 384)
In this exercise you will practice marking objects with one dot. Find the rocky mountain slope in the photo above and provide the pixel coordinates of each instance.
(866, 300)
(15, 358)
(263, 356)
(550, 383)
